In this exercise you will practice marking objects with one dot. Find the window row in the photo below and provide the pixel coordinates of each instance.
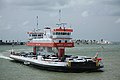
(35, 35)
(60, 41)
(61, 33)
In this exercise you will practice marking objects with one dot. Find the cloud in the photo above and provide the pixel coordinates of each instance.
(114, 5)
(0, 16)
(116, 13)
(97, 7)
(42, 4)
(117, 21)
(25, 23)
(91, 2)
(6, 27)
(47, 5)
(112, 2)
(9, 26)
(1, 4)
(85, 14)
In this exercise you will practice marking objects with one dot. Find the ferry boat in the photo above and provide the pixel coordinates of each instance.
(49, 51)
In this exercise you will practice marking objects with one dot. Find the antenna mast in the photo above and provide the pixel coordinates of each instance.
(37, 22)
(60, 16)
(59, 24)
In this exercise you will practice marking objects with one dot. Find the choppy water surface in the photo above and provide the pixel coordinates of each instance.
(17, 71)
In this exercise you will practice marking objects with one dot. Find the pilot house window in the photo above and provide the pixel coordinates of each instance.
(65, 41)
(59, 41)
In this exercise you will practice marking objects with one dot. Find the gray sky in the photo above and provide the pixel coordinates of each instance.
(90, 19)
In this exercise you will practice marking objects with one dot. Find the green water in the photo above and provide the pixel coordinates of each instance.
(17, 71)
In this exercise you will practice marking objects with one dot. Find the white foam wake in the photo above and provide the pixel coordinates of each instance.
(5, 57)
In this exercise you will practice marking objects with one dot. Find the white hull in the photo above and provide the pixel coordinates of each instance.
(50, 64)
(38, 61)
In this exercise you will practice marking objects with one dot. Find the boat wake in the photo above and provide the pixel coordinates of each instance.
(5, 57)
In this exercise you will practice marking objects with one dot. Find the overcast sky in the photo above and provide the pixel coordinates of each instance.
(90, 19)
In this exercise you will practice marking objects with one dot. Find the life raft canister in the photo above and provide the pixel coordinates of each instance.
(97, 61)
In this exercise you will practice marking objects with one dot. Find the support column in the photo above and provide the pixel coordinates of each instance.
(34, 50)
(61, 52)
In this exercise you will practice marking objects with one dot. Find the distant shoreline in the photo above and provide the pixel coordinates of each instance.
(78, 42)
(11, 43)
